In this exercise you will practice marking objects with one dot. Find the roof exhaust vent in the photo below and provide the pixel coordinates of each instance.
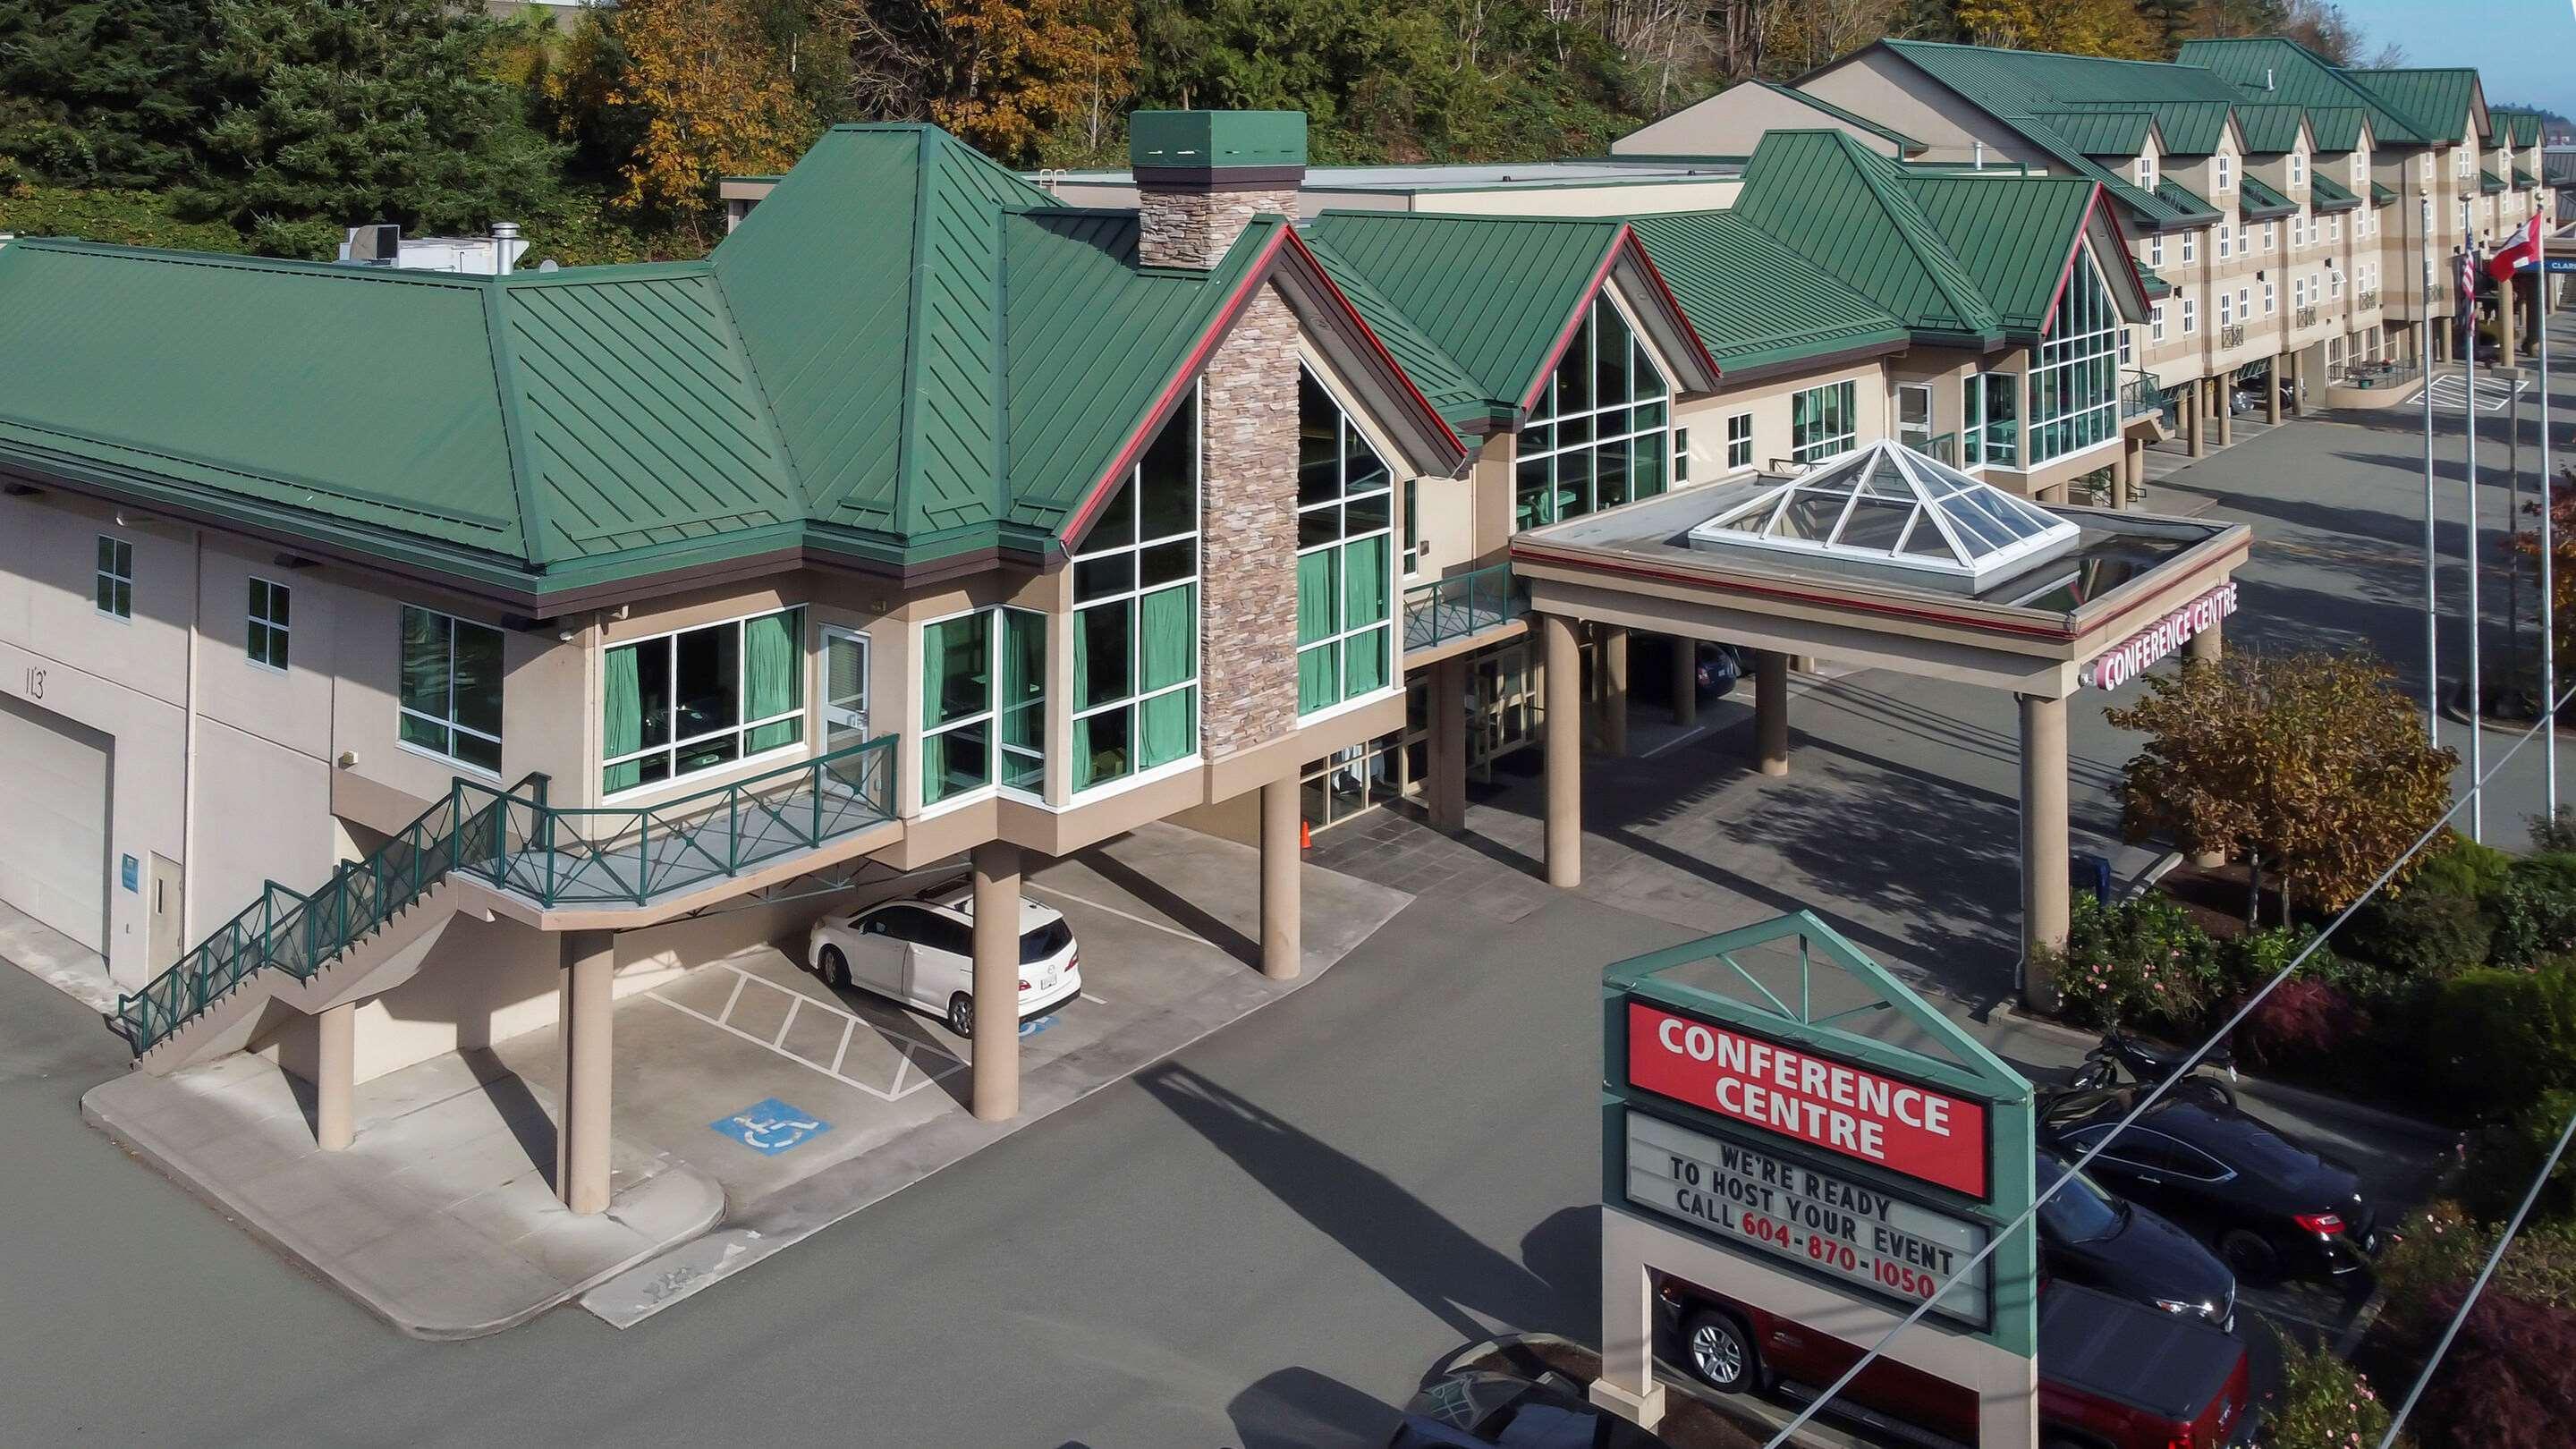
(2267, 78)
(377, 245)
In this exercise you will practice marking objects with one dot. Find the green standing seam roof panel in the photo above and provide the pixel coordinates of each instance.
(2103, 131)
(2185, 201)
(2257, 200)
(2153, 285)
(2014, 236)
(2489, 183)
(2272, 69)
(1753, 300)
(1450, 390)
(2269, 130)
(2381, 195)
(1493, 292)
(2524, 180)
(2188, 128)
(2435, 103)
(1853, 118)
(2336, 129)
(1850, 211)
(2327, 194)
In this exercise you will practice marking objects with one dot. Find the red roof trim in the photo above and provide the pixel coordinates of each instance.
(1626, 239)
(1379, 345)
(2066, 274)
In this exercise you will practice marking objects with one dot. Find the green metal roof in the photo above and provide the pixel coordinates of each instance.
(2434, 102)
(2153, 285)
(2524, 180)
(1433, 370)
(2184, 201)
(1495, 293)
(2259, 202)
(2271, 69)
(2189, 128)
(2014, 235)
(1850, 211)
(2489, 183)
(2514, 126)
(2337, 129)
(2381, 195)
(2269, 130)
(1902, 141)
(2103, 131)
(1755, 302)
(2327, 194)
(1191, 139)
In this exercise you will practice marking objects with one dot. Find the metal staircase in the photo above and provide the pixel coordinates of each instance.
(313, 949)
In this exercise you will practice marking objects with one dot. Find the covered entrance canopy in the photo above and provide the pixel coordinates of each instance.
(1886, 558)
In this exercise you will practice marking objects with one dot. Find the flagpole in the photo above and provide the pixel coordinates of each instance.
(2432, 553)
(2469, 422)
(2548, 546)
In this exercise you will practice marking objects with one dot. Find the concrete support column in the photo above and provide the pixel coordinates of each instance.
(2298, 384)
(1685, 681)
(2272, 390)
(2218, 390)
(588, 998)
(1771, 711)
(2204, 647)
(2191, 410)
(1614, 690)
(335, 1056)
(2043, 843)
(1564, 751)
(1283, 943)
(995, 1050)
(1447, 798)
(1627, 1385)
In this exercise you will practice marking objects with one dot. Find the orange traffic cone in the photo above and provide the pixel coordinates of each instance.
(1305, 836)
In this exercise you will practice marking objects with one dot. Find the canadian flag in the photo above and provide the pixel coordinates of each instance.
(2523, 251)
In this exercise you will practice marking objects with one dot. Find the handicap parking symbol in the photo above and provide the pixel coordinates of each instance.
(1039, 1024)
(769, 1126)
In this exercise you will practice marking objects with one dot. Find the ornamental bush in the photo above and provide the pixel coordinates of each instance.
(2422, 932)
(2535, 909)
(2508, 1379)
(2499, 1037)
(2323, 1402)
(2456, 865)
(2509, 1155)
(2303, 1022)
(2140, 963)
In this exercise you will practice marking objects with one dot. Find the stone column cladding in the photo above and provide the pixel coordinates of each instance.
(1248, 577)
(1192, 226)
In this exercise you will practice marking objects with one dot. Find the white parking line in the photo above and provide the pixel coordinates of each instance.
(1122, 915)
(907, 1064)
(2449, 391)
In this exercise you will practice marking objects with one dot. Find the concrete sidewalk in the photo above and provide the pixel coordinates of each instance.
(440, 1218)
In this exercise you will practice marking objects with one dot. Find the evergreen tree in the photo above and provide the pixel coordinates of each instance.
(102, 92)
(338, 112)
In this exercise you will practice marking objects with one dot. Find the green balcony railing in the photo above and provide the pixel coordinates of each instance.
(1462, 604)
(1944, 448)
(2141, 394)
(515, 841)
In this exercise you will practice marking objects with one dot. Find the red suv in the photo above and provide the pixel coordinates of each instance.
(2112, 1374)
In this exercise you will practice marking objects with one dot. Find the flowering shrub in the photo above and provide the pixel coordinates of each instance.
(2138, 963)
(2508, 1379)
(2305, 1020)
(2323, 1403)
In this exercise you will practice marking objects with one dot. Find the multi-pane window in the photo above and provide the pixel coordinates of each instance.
(2190, 248)
(2334, 284)
(265, 637)
(1136, 616)
(1989, 420)
(1598, 437)
(2360, 169)
(2298, 291)
(2226, 241)
(2244, 304)
(2190, 316)
(2156, 323)
(1345, 644)
(700, 699)
(2075, 374)
(113, 589)
(1681, 456)
(2271, 294)
(2226, 307)
(2298, 170)
(2225, 173)
(981, 671)
(451, 688)
(2271, 236)
(2146, 173)
(2155, 251)
(1739, 440)
(1823, 421)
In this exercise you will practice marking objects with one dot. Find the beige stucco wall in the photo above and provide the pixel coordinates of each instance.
(1768, 402)
(1731, 123)
(1879, 85)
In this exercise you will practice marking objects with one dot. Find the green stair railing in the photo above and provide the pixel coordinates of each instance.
(1462, 604)
(513, 840)
(2141, 394)
(300, 934)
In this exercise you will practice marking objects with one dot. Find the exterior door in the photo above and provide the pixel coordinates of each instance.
(54, 857)
(168, 940)
(845, 688)
(1914, 416)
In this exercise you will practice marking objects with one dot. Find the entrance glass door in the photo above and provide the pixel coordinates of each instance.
(1914, 416)
(845, 688)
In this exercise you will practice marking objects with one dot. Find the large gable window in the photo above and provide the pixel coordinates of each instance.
(1600, 434)
(1823, 421)
(983, 703)
(700, 699)
(451, 688)
(1136, 616)
(2075, 375)
(1345, 563)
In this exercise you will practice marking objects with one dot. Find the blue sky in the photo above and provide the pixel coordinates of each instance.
(2525, 49)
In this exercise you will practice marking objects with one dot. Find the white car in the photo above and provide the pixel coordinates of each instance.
(921, 952)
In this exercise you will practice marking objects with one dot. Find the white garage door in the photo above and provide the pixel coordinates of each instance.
(53, 821)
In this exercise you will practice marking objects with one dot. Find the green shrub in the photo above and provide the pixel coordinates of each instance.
(2138, 963)
(2554, 831)
(2535, 910)
(2422, 933)
(2322, 1403)
(2508, 1156)
(2443, 1247)
(2459, 866)
(2498, 1037)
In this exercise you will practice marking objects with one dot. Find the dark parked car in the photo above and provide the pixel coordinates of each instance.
(2112, 1375)
(2271, 1206)
(1715, 668)
(1475, 1409)
(2088, 1236)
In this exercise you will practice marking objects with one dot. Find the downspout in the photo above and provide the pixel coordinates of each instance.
(187, 763)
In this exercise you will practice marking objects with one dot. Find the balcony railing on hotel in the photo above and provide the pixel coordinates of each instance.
(2364, 301)
(1462, 604)
(2307, 317)
(1944, 447)
(2141, 394)
(2231, 335)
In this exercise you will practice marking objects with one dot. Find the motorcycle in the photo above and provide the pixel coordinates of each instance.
(2147, 1065)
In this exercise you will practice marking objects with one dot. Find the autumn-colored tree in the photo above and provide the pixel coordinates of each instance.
(2313, 765)
(2076, 27)
(1003, 74)
(2525, 544)
(713, 98)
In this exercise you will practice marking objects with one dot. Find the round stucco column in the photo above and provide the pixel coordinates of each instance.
(1563, 661)
(1685, 681)
(1771, 711)
(2044, 904)
(995, 1050)
(335, 1044)
(589, 1006)
(1282, 926)
(1614, 690)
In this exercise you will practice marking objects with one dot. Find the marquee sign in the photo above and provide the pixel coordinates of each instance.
(1821, 1221)
(2132, 656)
(1902, 1126)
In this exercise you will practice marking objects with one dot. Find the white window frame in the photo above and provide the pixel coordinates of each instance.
(112, 566)
(741, 729)
(2223, 173)
(281, 608)
(1547, 415)
(2226, 241)
(450, 723)
(2271, 297)
(2156, 323)
(1134, 596)
(2360, 170)
(2146, 173)
(2334, 228)
(1739, 440)
(2190, 316)
(2190, 247)
(2298, 170)
(2334, 284)
(1393, 624)
(2156, 250)
(1851, 417)
(990, 716)
(2244, 304)
(2271, 236)
(2226, 308)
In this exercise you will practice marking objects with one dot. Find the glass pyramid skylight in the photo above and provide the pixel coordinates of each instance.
(1885, 507)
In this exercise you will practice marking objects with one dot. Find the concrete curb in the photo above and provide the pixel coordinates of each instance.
(677, 1182)
(2305, 1099)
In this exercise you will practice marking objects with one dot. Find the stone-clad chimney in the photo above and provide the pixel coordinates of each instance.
(1200, 175)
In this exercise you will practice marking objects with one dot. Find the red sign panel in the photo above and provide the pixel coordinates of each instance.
(1899, 1125)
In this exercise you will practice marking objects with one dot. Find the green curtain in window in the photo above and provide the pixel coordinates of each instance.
(1363, 663)
(1082, 775)
(1318, 684)
(1364, 581)
(773, 678)
(934, 768)
(1082, 664)
(1168, 624)
(1168, 723)
(622, 720)
(1316, 604)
